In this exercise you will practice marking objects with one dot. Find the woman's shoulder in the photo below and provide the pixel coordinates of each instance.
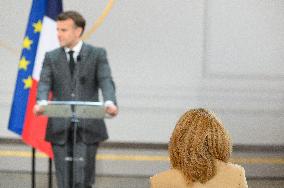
(222, 166)
(230, 173)
(168, 178)
(167, 173)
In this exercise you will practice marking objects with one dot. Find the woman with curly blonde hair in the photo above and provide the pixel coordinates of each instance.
(199, 150)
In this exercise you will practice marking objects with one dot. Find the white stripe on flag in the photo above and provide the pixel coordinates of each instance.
(47, 42)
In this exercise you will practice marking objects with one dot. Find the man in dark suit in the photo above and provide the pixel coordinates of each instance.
(75, 72)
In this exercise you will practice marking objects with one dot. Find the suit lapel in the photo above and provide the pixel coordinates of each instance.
(84, 53)
(64, 65)
(80, 64)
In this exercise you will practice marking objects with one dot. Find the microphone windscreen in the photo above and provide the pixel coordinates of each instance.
(78, 58)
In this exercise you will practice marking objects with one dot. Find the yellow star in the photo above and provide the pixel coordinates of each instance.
(37, 26)
(27, 43)
(28, 82)
(23, 63)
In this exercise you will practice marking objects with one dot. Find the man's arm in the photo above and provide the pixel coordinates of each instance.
(106, 83)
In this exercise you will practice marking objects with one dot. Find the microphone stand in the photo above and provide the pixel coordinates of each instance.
(72, 159)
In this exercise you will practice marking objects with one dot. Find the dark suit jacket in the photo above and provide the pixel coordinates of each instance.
(92, 72)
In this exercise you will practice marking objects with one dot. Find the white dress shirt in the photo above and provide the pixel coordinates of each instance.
(76, 49)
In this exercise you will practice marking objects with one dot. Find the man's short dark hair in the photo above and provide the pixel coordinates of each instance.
(78, 19)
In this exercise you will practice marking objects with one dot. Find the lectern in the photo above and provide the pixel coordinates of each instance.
(73, 110)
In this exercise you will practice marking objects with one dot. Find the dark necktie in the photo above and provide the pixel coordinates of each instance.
(71, 62)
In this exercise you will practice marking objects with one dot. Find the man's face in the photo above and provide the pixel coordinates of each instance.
(68, 34)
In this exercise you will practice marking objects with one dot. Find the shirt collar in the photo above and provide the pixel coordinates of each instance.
(76, 48)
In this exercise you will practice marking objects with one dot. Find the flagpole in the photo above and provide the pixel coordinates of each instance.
(49, 173)
(33, 167)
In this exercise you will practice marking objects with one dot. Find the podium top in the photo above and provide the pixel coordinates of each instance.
(83, 109)
(76, 103)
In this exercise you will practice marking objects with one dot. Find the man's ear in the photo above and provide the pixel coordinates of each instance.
(79, 31)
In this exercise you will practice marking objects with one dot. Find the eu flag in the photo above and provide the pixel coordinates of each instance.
(40, 37)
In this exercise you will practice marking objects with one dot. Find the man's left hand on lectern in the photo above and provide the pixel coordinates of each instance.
(112, 110)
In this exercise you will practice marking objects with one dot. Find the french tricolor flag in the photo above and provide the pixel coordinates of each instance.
(40, 37)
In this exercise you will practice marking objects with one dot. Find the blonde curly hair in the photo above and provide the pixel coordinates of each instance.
(198, 139)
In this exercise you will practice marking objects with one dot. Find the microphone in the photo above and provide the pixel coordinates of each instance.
(82, 79)
(78, 58)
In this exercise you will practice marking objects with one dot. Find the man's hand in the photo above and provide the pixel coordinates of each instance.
(38, 110)
(112, 110)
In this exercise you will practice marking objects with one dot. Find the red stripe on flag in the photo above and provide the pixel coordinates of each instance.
(35, 126)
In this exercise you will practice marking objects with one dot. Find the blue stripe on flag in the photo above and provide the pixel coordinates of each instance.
(21, 94)
(54, 7)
